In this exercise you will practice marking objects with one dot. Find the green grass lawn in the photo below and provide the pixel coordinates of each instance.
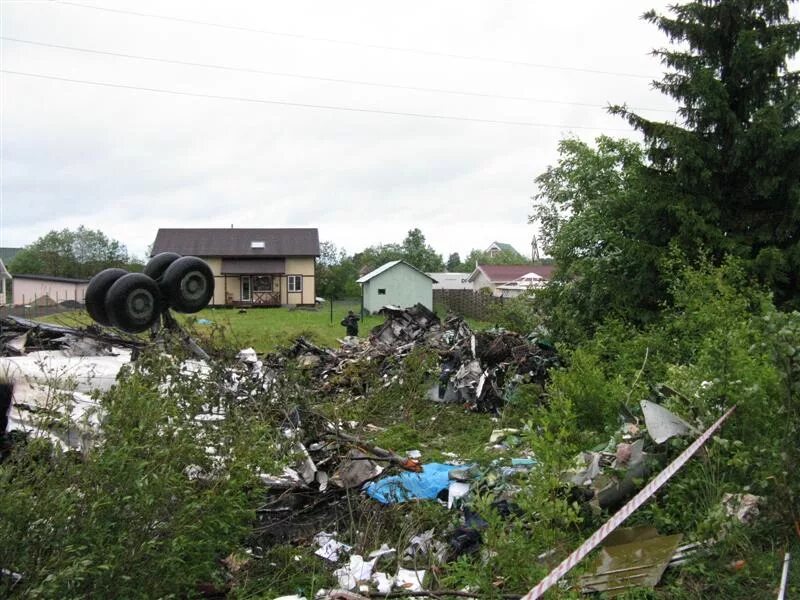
(266, 329)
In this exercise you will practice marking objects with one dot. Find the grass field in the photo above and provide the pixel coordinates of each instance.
(266, 329)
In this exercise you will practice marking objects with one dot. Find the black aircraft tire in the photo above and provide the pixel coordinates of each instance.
(158, 264)
(96, 291)
(134, 303)
(188, 284)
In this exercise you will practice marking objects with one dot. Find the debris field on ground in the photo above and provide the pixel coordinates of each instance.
(56, 374)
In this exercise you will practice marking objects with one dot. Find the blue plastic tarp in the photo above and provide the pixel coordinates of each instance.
(412, 486)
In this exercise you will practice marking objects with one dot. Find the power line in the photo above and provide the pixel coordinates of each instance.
(307, 105)
(301, 36)
(311, 77)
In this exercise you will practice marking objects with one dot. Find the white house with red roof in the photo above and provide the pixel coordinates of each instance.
(495, 276)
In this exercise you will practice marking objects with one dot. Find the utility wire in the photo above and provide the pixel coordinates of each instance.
(300, 36)
(306, 105)
(313, 77)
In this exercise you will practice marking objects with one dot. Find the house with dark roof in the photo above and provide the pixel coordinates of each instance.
(252, 267)
(492, 276)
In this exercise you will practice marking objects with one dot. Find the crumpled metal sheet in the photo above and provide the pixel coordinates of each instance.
(630, 558)
(663, 424)
(355, 470)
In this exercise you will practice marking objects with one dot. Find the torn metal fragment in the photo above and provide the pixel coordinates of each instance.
(663, 424)
(639, 561)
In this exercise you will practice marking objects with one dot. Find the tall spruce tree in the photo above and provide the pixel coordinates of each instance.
(727, 179)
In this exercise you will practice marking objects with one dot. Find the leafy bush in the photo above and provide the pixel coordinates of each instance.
(149, 512)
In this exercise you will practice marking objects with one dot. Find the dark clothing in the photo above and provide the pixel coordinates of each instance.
(351, 323)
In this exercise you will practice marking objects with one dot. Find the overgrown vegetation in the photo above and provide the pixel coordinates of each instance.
(677, 273)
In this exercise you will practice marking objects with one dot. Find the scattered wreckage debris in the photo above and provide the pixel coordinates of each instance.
(20, 336)
(630, 558)
(51, 372)
(640, 498)
(477, 370)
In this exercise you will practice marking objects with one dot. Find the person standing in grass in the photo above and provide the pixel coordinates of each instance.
(351, 323)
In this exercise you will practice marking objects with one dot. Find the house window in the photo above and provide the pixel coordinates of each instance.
(246, 291)
(381, 291)
(262, 283)
(295, 283)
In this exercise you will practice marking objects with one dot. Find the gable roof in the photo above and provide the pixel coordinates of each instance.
(503, 247)
(237, 242)
(506, 273)
(389, 265)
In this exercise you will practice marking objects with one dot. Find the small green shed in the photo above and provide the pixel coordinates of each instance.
(396, 283)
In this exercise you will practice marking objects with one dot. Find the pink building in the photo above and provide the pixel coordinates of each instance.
(45, 290)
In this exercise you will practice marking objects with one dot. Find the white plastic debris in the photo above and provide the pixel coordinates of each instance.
(383, 581)
(248, 355)
(384, 550)
(330, 548)
(409, 579)
(289, 479)
(457, 489)
(356, 572)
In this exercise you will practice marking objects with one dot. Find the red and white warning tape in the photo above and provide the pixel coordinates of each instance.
(623, 513)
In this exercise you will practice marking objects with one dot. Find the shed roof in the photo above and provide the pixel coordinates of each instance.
(52, 278)
(238, 242)
(389, 265)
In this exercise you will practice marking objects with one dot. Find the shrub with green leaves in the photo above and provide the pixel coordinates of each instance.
(150, 511)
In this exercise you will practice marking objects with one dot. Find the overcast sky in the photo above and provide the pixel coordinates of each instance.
(128, 161)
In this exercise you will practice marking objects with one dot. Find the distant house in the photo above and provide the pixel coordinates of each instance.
(499, 247)
(252, 267)
(512, 289)
(451, 281)
(397, 283)
(491, 276)
(47, 290)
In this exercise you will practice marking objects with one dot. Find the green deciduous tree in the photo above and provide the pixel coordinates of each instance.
(80, 253)
(420, 254)
(336, 273)
(724, 181)
(453, 262)
(413, 250)
(597, 228)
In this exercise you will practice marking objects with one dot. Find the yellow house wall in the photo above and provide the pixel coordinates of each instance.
(299, 266)
(219, 280)
(228, 288)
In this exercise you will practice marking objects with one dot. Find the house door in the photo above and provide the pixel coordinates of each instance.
(246, 289)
